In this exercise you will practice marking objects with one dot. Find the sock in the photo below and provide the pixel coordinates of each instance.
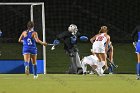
(138, 69)
(35, 70)
(26, 64)
(110, 68)
(84, 67)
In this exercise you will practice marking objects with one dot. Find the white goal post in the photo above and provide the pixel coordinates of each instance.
(31, 18)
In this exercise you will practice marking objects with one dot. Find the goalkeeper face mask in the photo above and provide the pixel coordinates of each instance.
(73, 29)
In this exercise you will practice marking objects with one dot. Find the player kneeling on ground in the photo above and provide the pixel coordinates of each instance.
(93, 61)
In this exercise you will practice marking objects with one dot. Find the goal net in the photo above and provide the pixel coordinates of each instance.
(13, 20)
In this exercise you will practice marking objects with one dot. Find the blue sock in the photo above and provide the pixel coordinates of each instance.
(35, 70)
(26, 63)
(138, 69)
(110, 69)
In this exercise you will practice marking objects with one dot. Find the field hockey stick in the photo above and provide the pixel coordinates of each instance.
(53, 46)
(55, 42)
(112, 63)
(50, 44)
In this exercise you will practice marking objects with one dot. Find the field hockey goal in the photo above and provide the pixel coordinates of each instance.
(13, 20)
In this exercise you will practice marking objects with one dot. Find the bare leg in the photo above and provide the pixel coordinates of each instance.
(34, 58)
(138, 67)
(26, 63)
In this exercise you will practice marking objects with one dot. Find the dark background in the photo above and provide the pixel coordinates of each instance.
(121, 16)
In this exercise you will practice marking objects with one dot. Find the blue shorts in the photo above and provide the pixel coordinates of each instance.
(138, 47)
(27, 50)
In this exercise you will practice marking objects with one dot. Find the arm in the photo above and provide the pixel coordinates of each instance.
(106, 48)
(93, 39)
(35, 36)
(78, 34)
(107, 42)
(111, 54)
(133, 34)
(61, 36)
(20, 38)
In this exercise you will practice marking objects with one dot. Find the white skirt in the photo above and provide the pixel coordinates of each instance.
(98, 47)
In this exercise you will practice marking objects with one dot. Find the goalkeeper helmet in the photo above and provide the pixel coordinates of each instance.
(73, 29)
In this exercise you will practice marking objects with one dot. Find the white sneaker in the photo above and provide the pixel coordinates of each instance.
(27, 70)
(91, 73)
(35, 77)
(99, 72)
(138, 77)
(111, 73)
(102, 75)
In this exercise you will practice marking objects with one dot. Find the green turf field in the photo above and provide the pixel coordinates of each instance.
(69, 83)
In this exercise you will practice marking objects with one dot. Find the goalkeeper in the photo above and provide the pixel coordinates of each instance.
(69, 39)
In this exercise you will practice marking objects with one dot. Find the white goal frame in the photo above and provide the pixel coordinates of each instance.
(31, 18)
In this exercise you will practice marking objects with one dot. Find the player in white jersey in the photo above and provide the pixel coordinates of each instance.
(99, 47)
(93, 61)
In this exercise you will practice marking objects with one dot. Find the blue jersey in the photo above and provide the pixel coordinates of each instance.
(28, 41)
(136, 34)
(136, 38)
(29, 44)
(138, 44)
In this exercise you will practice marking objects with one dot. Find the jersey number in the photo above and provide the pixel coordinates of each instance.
(100, 38)
(29, 41)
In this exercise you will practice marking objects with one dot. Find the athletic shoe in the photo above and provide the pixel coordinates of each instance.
(84, 73)
(110, 73)
(138, 77)
(99, 72)
(35, 76)
(91, 73)
(27, 70)
(102, 75)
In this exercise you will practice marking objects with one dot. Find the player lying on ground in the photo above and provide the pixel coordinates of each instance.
(94, 63)
(29, 38)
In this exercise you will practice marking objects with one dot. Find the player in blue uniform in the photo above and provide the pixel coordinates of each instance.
(111, 64)
(136, 43)
(0, 41)
(29, 38)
